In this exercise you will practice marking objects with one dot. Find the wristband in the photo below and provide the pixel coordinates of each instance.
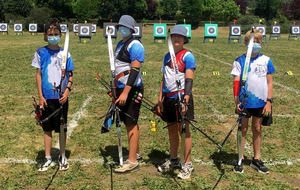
(69, 89)
(132, 76)
(236, 87)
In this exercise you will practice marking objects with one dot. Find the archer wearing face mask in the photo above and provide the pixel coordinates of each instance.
(129, 55)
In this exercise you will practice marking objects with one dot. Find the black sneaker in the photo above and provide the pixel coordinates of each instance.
(169, 165)
(259, 166)
(239, 168)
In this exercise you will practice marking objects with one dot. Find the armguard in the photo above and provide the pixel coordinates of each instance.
(132, 76)
(188, 86)
(236, 87)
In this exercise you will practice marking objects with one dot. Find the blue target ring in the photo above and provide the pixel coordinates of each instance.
(136, 30)
(76, 27)
(111, 30)
(236, 30)
(93, 28)
(261, 30)
(63, 28)
(84, 30)
(296, 30)
(160, 30)
(276, 29)
(3, 27)
(18, 27)
(211, 30)
(32, 27)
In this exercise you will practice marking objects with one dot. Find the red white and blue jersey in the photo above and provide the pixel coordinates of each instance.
(256, 84)
(185, 60)
(49, 61)
(136, 52)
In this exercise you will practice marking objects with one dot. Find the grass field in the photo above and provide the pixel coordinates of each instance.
(89, 152)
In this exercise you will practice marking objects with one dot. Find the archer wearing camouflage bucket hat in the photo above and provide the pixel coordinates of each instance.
(180, 30)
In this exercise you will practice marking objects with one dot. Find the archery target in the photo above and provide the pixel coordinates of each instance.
(276, 29)
(63, 28)
(18, 27)
(211, 30)
(75, 28)
(3, 27)
(295, 30)
(112, 30)
(32, 27)
(188, 27)
(235, 31)
(262, 30)
(85, 30)
(93, 29)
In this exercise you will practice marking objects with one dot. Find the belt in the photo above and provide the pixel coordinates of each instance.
(122, 75)
(169, 94)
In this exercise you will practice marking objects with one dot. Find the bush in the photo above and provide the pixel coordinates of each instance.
(40, 16)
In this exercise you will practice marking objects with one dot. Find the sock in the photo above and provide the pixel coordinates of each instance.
(48, 157)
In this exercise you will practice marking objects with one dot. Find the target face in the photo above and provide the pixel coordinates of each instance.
(276, 29)
(18, 27)
(262, 30)
(211, 30)
(295, 30)
(84, 30)
(93, 29)
(63, 28)
(75, 28)
(3, 27)
(136, 31)
(111, 29)
(235, 31)
(160, 30)
(32, 27)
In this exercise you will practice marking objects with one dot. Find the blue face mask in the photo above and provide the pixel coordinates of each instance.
(256, 47)
(124, 32)
(53, 40)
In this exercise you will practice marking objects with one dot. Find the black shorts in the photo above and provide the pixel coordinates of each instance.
(54, 122)
(256, 112)
(130, 112)
(170, 110)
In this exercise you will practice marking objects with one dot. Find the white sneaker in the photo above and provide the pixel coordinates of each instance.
(46, 164)
(63, 166)
(186, 171)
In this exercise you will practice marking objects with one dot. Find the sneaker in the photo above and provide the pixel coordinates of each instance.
(239, 168)
(169, 164)
(139, 156)
(259, 166)
(46, 164)
(63, 166)
(128, 167)
(186, 171)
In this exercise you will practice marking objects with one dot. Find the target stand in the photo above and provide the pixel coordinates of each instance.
(85, 32)
(160, 33)
(235, 34)
(294, 32)
(33, 29)
(262, 30)
(3, 28)
(275, 35)
(210, 32)
(112, 30)
(18, 29)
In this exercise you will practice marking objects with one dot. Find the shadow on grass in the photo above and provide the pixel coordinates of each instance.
(110, 154)
(156, 157)
(54, 154)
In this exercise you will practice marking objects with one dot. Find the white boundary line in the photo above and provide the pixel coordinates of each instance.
(278, 84)
(74, 122)
(270, 162)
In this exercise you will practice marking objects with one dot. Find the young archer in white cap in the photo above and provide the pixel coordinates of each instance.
(168, 104)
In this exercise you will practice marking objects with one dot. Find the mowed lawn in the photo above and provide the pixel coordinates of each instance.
(91, 153)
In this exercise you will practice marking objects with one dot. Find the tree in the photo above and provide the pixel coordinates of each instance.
(151, 8)
(1, 11)
(267, 9)
(60, 8)
(212, 9)
(40, 16)
(85, 9)
(17, 7)
(243, 6)
(191, 10)
(230, 11)
(291, 9)
(168, 9)
(137, 9)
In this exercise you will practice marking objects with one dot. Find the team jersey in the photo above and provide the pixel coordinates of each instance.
(256, 84)
(169, 84)
(136, 52)
(49, 61)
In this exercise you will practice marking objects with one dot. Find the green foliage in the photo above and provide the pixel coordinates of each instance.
(85, 9)
(61, 8)
(191, 10)
(1, 10)
(168, 9)
(40, 16)
(16, 8)
(267, 9)
(246, 21)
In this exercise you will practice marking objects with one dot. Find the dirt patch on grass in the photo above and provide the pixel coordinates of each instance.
(293, 181)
